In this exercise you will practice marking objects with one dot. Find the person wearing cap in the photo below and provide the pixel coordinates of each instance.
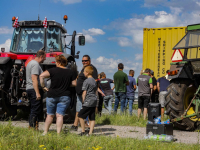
(154, 96)
(144, 83)
(162, 85)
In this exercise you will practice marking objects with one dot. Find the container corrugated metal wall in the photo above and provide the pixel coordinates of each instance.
(157, 48)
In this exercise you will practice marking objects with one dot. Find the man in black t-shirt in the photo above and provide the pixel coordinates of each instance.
(154, 96)
(86, 61)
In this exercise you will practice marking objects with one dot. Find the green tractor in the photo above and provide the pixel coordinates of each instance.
(183, 99)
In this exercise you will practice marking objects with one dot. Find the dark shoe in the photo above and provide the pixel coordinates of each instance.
(73, 127)
(32, 122)
(87, 130)
(83, 133)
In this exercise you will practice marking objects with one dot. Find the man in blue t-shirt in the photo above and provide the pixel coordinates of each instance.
(162, 84)
(130, 94)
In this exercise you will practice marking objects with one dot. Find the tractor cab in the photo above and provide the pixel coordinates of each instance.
(191, 43)
(31, 36)
(189, 66)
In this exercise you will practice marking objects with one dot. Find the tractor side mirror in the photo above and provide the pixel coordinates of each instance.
(81, 40)
(2, 49)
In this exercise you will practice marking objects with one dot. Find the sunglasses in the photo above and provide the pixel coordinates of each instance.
(85, 60)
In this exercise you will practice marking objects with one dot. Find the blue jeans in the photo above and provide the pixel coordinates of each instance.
(129, 99)
(120, 96)
(78, 103)
(107, 100)
(36, 106)
(57, 105)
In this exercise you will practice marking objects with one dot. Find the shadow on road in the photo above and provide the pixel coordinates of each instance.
(106, 121)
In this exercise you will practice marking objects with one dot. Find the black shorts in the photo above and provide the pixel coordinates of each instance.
(143, 101)
(87, 111)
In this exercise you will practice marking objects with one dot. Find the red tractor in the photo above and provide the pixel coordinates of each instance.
(28, 38)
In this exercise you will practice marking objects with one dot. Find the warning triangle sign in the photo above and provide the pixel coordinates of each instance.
(177, 56)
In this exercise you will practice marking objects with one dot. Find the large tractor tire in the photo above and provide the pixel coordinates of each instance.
(8, 111)
(180, 93)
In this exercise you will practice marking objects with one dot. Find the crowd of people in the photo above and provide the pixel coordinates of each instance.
(92, 90)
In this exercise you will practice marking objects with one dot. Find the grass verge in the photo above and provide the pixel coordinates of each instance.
(20, 138)
(122, 120)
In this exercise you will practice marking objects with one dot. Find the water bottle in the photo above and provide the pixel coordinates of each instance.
(149, 122)
(146, 136)
(167, 121)
(163, 137)
(157, 120)
(153, 137)
(169, 138)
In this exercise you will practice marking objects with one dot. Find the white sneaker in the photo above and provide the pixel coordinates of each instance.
(43, 134)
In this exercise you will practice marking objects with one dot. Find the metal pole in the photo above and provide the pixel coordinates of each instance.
(73, 44)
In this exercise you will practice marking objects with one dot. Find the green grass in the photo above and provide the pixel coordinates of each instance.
(122, 120)
(16, 138)
(135, 106)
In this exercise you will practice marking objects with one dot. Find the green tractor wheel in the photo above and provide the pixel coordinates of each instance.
(180, 93)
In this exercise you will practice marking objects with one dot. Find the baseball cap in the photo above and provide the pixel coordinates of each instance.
(151, 72)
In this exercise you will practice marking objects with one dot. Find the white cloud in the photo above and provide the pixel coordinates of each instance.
(130, 31)
(138, 56)
(89, 39)
(90, 33)
(6, 45)
(66, 2)
(110, 65)
(122, 41)
(94, 31)
(198, 3)
(186, 5)
(6, 30)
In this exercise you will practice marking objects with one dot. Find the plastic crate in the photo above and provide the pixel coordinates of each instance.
(160, 129)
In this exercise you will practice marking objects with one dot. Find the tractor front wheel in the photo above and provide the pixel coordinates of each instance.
(180, 93)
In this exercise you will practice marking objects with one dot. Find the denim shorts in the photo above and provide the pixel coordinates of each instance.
(79, 103)
(57, 105)
(162, 98)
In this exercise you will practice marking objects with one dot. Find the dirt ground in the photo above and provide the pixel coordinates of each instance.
(123, 131)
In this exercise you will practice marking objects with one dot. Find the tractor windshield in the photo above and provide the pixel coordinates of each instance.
(54, 40)
(29, 40)
(190, 40)
(191, 43)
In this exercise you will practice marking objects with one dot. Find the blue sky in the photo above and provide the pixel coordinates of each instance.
(113, 28)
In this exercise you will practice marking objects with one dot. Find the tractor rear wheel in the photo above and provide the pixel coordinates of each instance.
(180, 93)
